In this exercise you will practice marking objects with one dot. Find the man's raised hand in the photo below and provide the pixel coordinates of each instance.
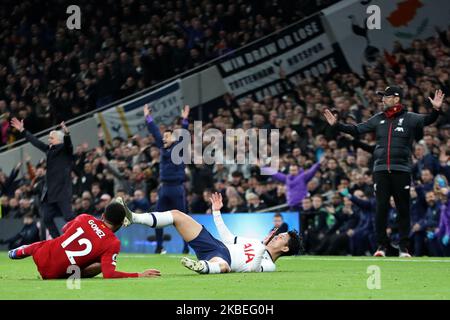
(64, 128)
(331, 119)
(270, 236)
(216, 201)
(15, 123)
(18, 166)
(437, 100)
(323, 160)
(104, 160)
(147, 110)
(185, 112)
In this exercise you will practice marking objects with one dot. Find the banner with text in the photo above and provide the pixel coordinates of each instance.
(127, 119)
(400, 20)
(302, 50)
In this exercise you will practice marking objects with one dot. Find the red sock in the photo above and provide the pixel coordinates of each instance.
(29, 250)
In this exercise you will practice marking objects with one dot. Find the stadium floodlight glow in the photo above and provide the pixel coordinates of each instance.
(237, 146)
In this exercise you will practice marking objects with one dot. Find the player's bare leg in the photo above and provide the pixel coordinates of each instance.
(91, 270)
(188, 228)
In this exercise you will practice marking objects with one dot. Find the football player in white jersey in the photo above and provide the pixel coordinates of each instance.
(232, 253)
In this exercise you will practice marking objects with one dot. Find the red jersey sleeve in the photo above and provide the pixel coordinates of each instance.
(108, 262)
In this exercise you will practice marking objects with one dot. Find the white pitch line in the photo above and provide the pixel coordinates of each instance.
(368, 259)
(313, 258)
(150, 255)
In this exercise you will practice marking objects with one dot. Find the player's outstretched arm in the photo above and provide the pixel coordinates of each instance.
(309, 174)
(225, 234)
(217, 204)
(108, 264)
(354, 130)
(278, 176)
(152, 127)
(18, 125)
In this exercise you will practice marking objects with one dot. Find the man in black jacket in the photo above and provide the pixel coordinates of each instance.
(56, 196)
(337, 238)
(28, 235)
(395, 129)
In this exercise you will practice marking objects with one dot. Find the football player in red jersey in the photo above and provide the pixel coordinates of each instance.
(88, 243)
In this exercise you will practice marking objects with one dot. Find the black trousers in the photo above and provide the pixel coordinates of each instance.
(395, 184)
(170, 197)
(334, 244)
(51, 210)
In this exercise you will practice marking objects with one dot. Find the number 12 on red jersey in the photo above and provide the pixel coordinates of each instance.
(83, 241)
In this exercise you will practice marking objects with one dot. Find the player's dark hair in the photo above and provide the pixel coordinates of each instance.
(278, 215)
(168, 130)
(295, 243)
(115, 214)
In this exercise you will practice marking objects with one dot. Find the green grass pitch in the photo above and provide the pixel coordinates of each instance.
(305, 277)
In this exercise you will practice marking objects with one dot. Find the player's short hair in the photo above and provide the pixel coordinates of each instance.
(295, 243)
(278, 215)
(115, 213)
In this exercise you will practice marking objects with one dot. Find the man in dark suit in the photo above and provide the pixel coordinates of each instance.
(56, 196)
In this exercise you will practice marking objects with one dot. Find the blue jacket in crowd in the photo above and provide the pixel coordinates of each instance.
(367, 217)
(169, 172)
(142, 205)
(432, 217)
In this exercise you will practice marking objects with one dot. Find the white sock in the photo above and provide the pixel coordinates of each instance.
(210, 267)
(154, 219)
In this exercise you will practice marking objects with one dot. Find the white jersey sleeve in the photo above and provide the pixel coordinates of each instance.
(250, 256)
(263, 262)
(225, 234)
(267, 264)
(247, 255)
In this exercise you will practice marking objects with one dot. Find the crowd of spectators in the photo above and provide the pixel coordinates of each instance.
(50, 74)
(337, 209)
